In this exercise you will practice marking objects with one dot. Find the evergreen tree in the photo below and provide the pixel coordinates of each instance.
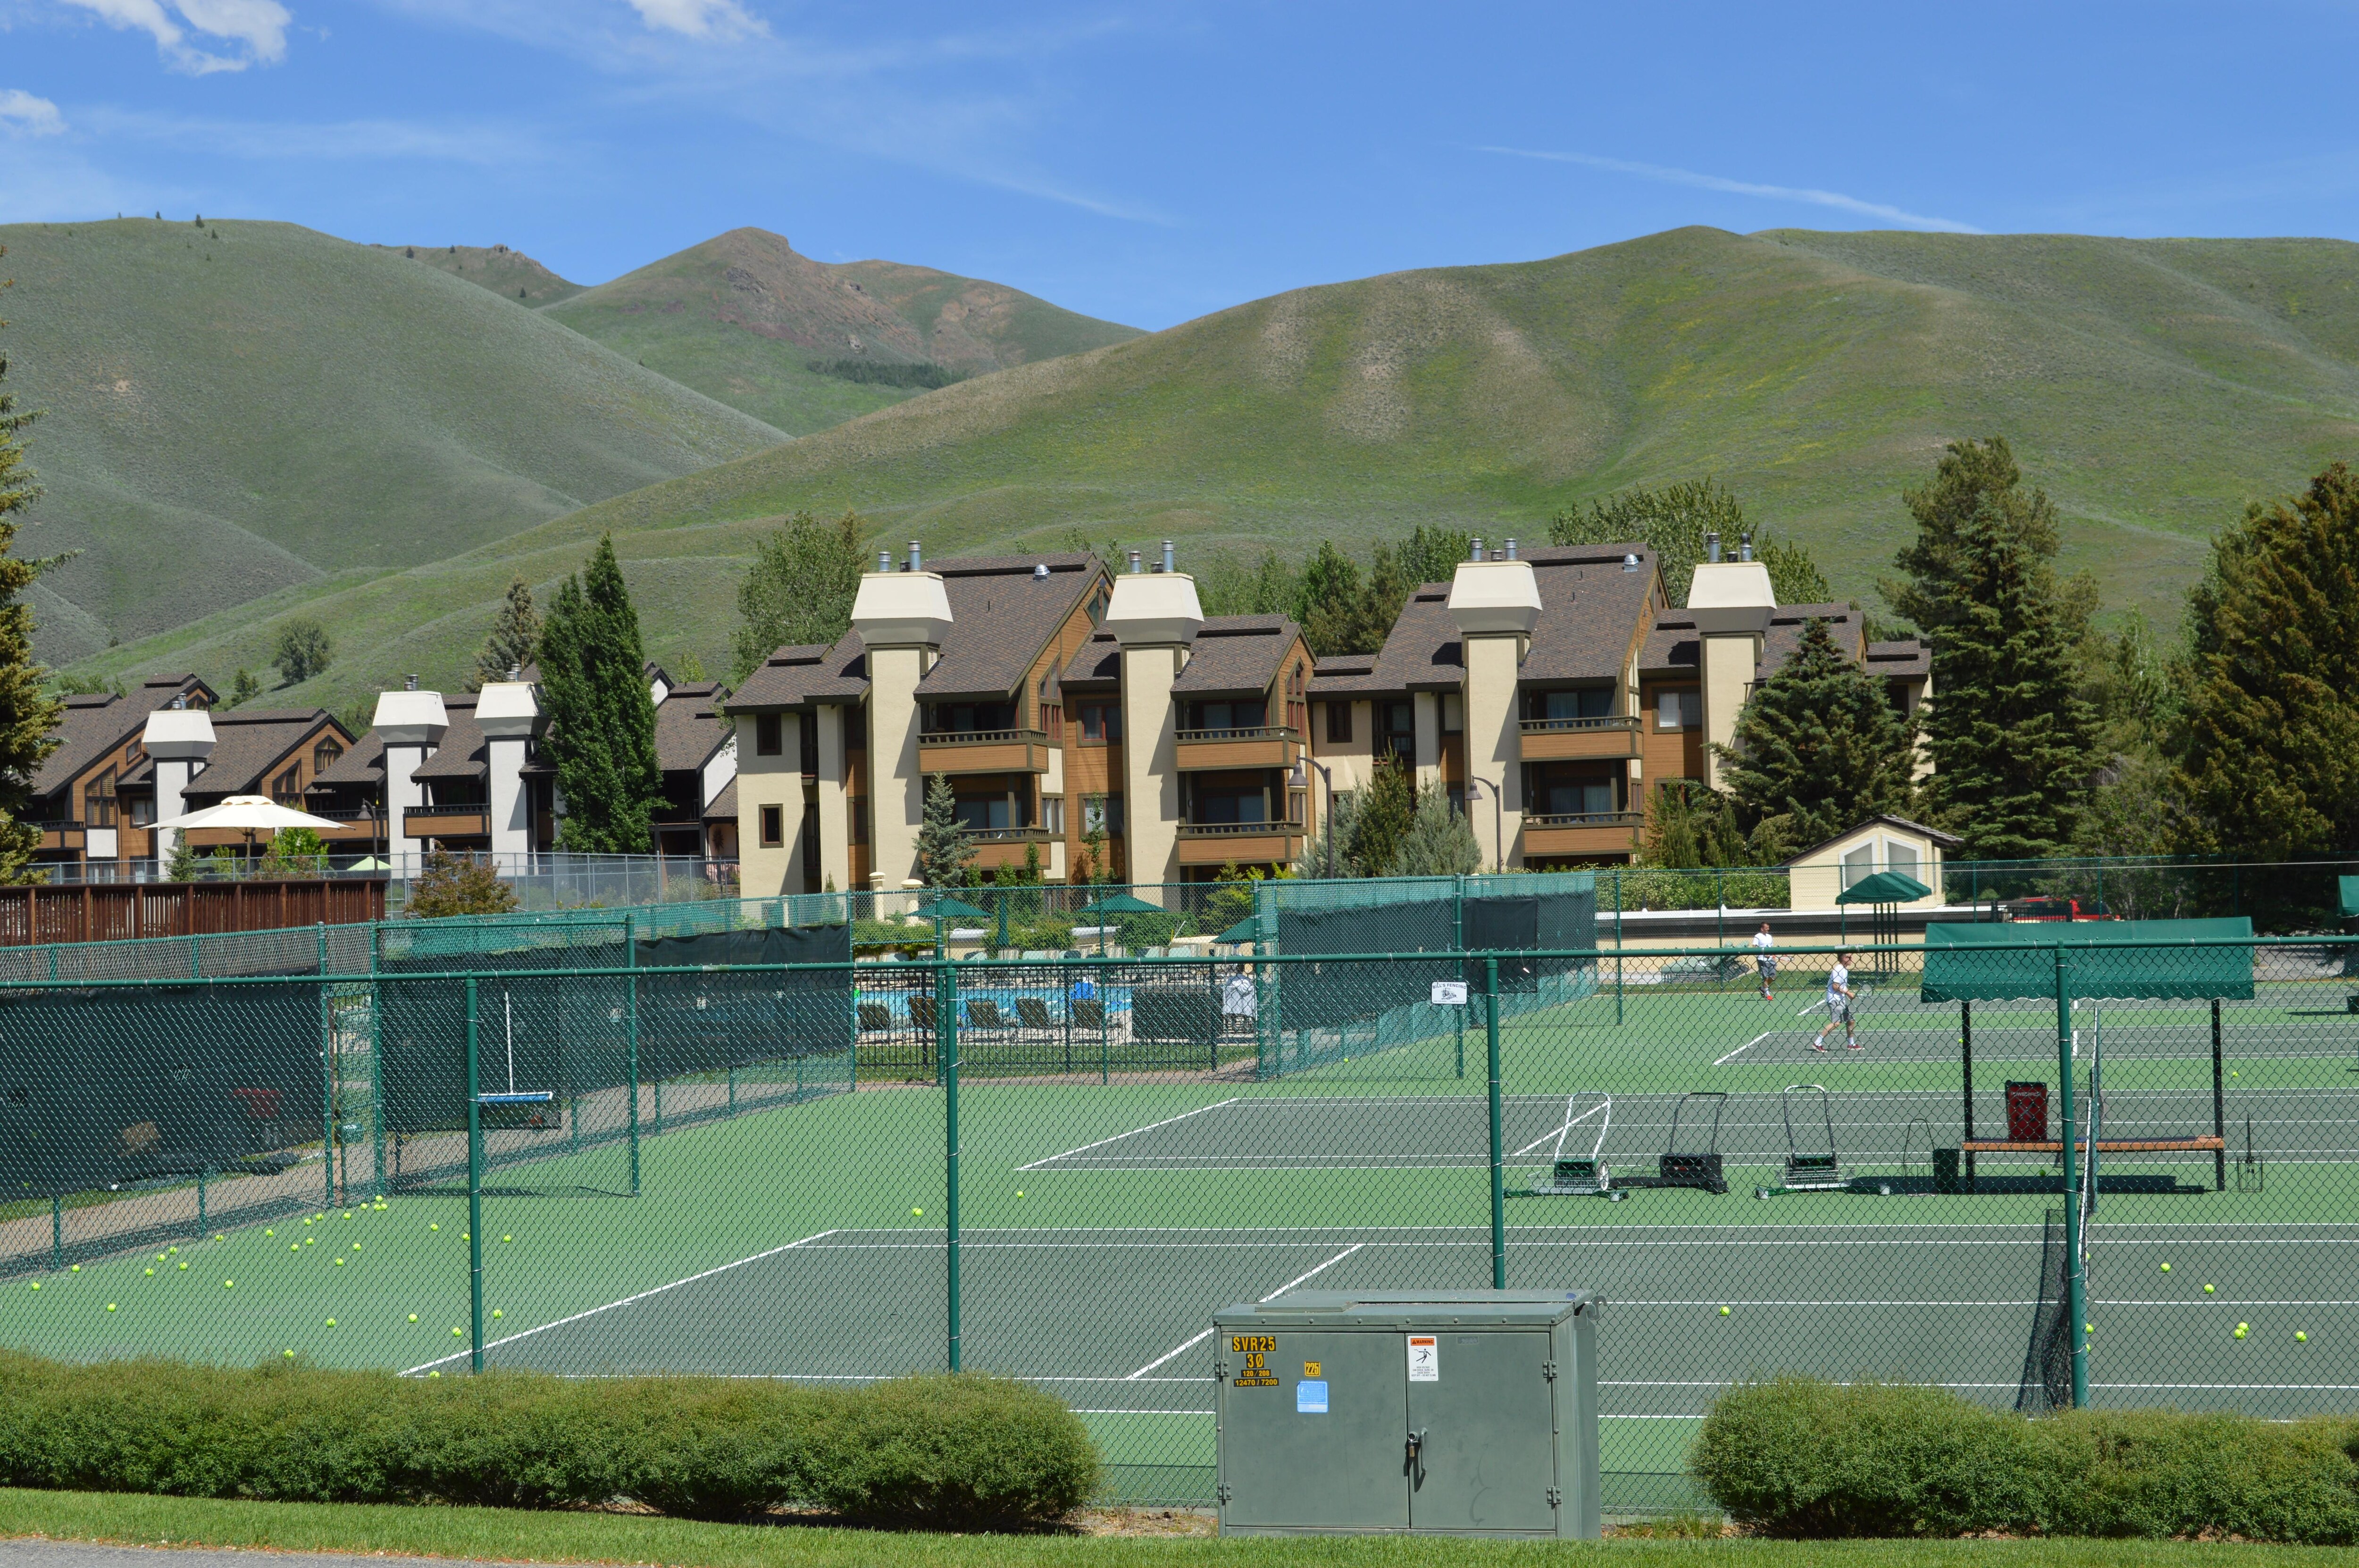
(448, 885)
(601, 729)
(800, 589)
(1692, 825)
(29, 712)
(245, 689)
(2007, 728)
(1439, 843)
(1385, 809)
(945, 855)
(1327, 854)
(1819, 746)
(1673, 520)
(2269, 757)
(303, 650)
(515, 640)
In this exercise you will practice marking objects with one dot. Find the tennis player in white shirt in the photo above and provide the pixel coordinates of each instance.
(1839, 999)
(1764, 960)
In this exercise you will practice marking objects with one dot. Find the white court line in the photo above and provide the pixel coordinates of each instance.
(1131, 1133)
(1279, 1291)
(1812, 1008)
(626, 1300)
(1748, 1045)
(1566, 1126)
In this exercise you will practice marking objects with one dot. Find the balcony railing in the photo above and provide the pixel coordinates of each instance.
(1588, 820)
(1260, 732)
(1005, 835)
(982, 736)
(1557, 726)
(1238, 830)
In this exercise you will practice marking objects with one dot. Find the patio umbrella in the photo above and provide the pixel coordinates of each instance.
(945, 906)
(254, 813)
(1120, 903)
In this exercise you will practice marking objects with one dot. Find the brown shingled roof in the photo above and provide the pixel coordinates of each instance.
(1341, 675)
(252, 744)
(360, 767)
(1422, 652)
(95, 723)
(688, 728)
(724, 805)
(1237, 655)
(461, 753)
(1786, 624)
(1591, 609)
(1904, 657)
(805, 673)
(1096, 665)
(1002, 615)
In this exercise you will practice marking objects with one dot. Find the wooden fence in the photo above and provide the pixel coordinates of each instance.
(108, 911)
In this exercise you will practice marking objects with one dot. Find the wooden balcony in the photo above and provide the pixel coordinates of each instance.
(1582, 833)
(447, 822)
(997, 847)
(1581, 739)
(62, 837)
(1247, 843)
(983, 751)
(1202, 750)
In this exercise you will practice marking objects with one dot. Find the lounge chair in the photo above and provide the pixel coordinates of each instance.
(983, 1014)
(1033, 1013)
(1089, 1013)
(875, 1016)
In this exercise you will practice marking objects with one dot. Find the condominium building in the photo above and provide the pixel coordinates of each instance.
(1085, 721)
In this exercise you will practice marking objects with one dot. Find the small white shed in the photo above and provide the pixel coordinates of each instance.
(1820, 874)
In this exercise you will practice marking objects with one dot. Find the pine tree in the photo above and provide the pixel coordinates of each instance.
(1387, 806)
(2270, 758)
(1439, 843)
(602, 730)
(1819, 746)
(29, 712)
(303, 650)
(945, 855)
(514, 642)
(2009, 729)
(800, 589)
(245, 689)
(1327, 855)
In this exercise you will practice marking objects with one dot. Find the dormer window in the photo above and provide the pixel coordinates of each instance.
(325, 754)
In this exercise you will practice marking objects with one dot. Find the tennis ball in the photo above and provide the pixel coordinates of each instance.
(497, 1313)
(2241, 1329)
(217, 1236)
(332, 1323)
(917, 1211)
(2299, 1337)
(229, 1284)
(151, 1273)
(466, 1236)
(184, 1268)
(110, 1306)
(290, 1354)
(172, 1249)
(294, 1247)
(455, 1333)
(434, 1228)
(2207, 1289)
(2088, 1328)
(2166, 1268)
(413, 1317)
(504, 1239)
(1019, 1192)
(270, 1233)
(348, 1214)
(433, 1374)
(75, 1269)
(1724, 1312)
(356, 1246)
(340, 1262)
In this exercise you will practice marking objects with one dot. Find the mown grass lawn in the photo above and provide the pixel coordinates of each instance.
(510, 1535)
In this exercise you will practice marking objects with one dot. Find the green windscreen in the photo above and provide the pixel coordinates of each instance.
(2116, 959)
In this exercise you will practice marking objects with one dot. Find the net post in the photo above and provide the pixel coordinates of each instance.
(631, 1038)
(1498, 1169)
(2076, 1275)
(2218, 1109)
(1966, 1051)
(475, 1189)
(946, 995)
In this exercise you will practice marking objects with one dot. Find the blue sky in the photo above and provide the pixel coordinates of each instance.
(1149, 164)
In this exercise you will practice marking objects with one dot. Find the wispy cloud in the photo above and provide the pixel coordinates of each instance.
(698, 19)
(1688, 177)
(20, 111)
(260, 26)
(492, 146)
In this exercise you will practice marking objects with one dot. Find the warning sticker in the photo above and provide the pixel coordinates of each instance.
(1311, 1397)
(1424, 1358)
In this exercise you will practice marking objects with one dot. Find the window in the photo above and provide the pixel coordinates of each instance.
(324, 755)
(142, 810)
(1397, 731)
(774, 821)
(1902, 858)
(1227, 715)
(859, 803)
(1052, 814)
(1338, 724)
(970, 717)
(1231, 803)
(98, 800)
(1679, 709)
(286, 789)
(1585, 702)
(1297, 711)
(1453, 713)
(1858, 864)
(1101, 814)
(982, 813)
(769, 739)
(1052, 711)
(1573, 789)
(1100, 721)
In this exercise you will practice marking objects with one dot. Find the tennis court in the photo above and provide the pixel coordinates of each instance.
(790, 1213)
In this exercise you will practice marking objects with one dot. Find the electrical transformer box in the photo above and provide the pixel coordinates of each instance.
(1445, 1412)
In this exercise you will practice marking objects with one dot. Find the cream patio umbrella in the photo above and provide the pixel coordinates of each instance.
(254, 813)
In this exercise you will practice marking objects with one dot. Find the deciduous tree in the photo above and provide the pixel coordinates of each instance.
(806, 573)
(1672, 522)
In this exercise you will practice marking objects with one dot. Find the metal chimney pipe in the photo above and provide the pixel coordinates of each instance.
(1169, 564)
(883, 561)
(410, 682)
(1134, 567)
(1745, 547)
(1511, 548)
(1478, 548)
(1712, 545)
(916, 561)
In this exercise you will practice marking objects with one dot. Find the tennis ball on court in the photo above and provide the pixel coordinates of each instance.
(2088, 1328)
(2166, 1268)
(75, 1269)
(229, 1284)
(348, 1214)
(413, 1317)
(497, 1313)
(289, 1355)
(2236, 1075)
(270, 1233)
(434, 1228)
(466, 1236)
(917, 1211)
(217, 1236)
(356, 1246)
(294, 1247)
(332, 1323)
(2299, 1337)
(110, 1306)
(504, 1239)
(340, 1262)
(151, 1273)
(1019, 1192)
(433, 1374)
(2241, 1328)
(1724, 1312)
(455, 1333)
(2207, 1289)
(184, 1268)
(172, 1249)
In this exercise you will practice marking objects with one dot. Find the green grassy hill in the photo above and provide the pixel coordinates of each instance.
(2152, 386)
(511, 274)
(741, 317)
(244, 409)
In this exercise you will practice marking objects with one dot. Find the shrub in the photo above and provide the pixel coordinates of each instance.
(1796, 1457)
(947, 1451)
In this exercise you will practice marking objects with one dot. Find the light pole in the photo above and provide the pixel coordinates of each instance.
(1297, 779)
(1474, 790)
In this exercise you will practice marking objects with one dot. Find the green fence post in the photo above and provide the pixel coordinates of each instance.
(327, 1097)
(1105, 1018)
(946, 1003)
(1498, 1169)
(631, 1041)
(2076, 1278)
(376, 1062)
(56, 1230)
(1617, 947)
(475, 1189)
(1458, 940)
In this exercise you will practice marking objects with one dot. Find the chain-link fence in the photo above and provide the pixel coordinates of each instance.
(1929, 1162)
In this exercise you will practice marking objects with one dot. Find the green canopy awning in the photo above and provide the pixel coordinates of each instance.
(2349, 888)
(946, 908)
(1997, 961)
(1119, 904)
(1884, 887)
(1245, 930)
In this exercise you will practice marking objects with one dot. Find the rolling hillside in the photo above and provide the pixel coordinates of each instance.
(244, 409)
(2151, 387)
(741, 317)
(511, 274)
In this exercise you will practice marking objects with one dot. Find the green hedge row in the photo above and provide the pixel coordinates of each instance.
(1800, 1457)
(948, 1451)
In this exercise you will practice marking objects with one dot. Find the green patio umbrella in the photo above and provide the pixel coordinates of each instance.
(1120, 903)
(1884, 887)
(1245, 930)
(946, 907)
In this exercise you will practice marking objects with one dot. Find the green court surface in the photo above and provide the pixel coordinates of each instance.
(1102, 1224)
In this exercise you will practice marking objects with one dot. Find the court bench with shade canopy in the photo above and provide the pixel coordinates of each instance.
(2128, 960)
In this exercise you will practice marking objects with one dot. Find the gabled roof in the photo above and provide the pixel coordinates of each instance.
(95, 723)
(1422, 654)
(1342, 675)
(803, 674)
(1237, 655)
(1096, 665)
(250, 744)
(1590, 610)
(360, 767)
(1900, 659)
(1003, 611)
(462, 752)
(723, 808)
(689, 726)
(1948, 841)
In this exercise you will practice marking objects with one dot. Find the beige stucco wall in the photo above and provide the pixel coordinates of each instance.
(1817, 878)
(1494, 737)
(833, 800)
(770, 781)
(897, 794)
(1150, 756)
